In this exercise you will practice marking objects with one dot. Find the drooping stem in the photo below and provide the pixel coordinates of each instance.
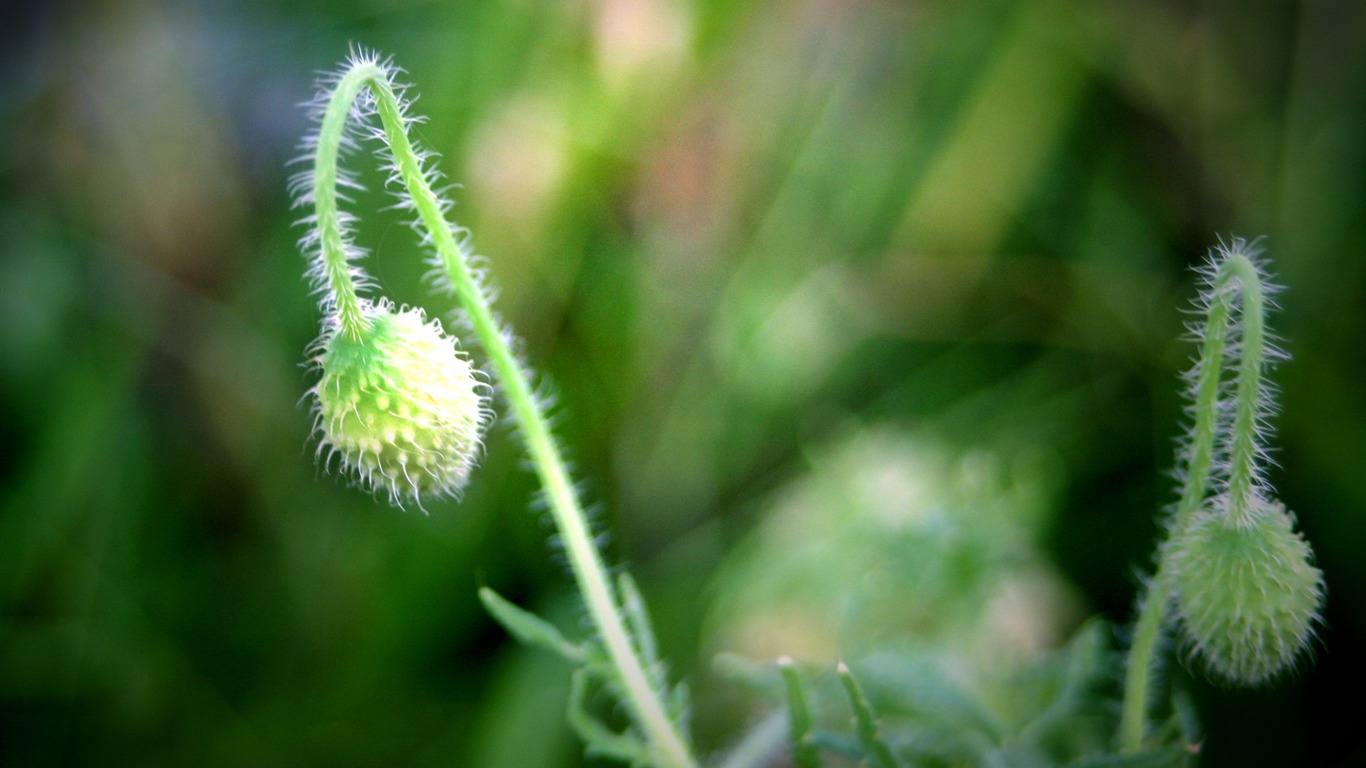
(332, 238)
(1234, 277)
(645, 703)
(1248, 400)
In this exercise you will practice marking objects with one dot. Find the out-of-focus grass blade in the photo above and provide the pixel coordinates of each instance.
(804, 752)
(869, 736)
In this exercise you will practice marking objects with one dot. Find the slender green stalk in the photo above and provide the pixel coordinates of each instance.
(667, 746)
(332, 241)
(1235, 276)
(804, 751)
(877, 752)
(1142, 657)
(1243, 456)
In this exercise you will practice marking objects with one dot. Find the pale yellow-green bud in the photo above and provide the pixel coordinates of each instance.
(399, 405)
(1246, 591)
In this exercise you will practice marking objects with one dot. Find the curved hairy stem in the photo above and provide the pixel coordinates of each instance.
(644, 702)
(1234, 278)
(334, 248)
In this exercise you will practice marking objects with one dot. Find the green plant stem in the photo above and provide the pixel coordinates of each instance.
(1237, 268)
(877, 753)
(804, 752)
(645, 703)
(1243, 451)
(332, 242)
(1142, 656)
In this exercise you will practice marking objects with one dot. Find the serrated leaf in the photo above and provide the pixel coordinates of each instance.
(642, 632)
(598, 739)
(1068, 713)
(680, 707)
(914, 683)
(530, 628)
(633, 605)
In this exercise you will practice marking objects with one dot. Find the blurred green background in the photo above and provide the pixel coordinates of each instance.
(864, 319)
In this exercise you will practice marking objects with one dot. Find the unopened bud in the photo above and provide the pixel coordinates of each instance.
(400, 405)
(1246, 590)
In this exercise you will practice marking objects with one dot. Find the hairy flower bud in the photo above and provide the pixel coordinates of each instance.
(399, 404)
(1246, 591)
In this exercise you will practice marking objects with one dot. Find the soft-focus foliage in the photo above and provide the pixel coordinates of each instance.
(914, 266)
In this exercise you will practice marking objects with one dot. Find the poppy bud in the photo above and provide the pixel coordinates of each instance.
(1246, 590)
(399, 404)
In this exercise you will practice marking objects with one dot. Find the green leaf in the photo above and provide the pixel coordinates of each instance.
(1069, 720)
(598, 739)
(680, 707)
(633, 605)
(530, 628)
(914, 683)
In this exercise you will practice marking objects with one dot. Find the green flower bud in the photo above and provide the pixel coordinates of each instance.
(399, 404)
(1246, 591)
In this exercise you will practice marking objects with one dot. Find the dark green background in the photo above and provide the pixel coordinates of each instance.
(733, 235)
